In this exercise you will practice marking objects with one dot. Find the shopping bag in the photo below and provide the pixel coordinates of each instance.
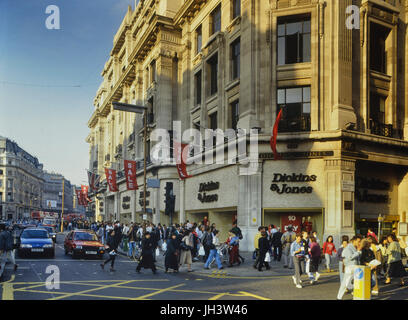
(164, 246)
(267, 257)
(157, 252)
(201, 251)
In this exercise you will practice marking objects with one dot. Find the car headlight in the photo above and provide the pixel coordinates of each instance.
(78, 247)
(26, 246)
(47, 246)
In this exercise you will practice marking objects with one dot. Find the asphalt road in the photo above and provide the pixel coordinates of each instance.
(83, 279)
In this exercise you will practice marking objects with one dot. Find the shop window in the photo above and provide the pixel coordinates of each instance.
(198, 84)
(296, 109)
(235, 58)
(378, 53)
(234, 114)
(213, 73)
(293, 40)
(216, 20)
(236, 8)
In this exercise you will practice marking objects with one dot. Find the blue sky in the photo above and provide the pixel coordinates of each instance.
(39, 107)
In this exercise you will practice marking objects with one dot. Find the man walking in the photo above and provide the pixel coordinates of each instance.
(297, 251)
(287, 239)
(277, 245)
(6, 247)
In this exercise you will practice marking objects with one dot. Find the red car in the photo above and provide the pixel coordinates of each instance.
(83, 243)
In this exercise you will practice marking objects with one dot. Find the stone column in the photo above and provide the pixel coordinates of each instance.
(182, 212)
(402, 202)
(249, 213)
(337, 220)
(406, 74)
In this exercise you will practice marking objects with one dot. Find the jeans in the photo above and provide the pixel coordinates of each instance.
(8, 255)
(307, 268)
(213, 255)
(132, 249)
(276, 255)
(327, 257)
(346, 283)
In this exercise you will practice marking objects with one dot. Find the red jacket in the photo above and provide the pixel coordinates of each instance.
(329, 248)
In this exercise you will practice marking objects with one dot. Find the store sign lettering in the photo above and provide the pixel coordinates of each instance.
(285, 188)
(209, 186)
(371, 184)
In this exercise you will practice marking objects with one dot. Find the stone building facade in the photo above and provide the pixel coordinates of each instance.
(52, 194)
(234, 64)
(21, 181)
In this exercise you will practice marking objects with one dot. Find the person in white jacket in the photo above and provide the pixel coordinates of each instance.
(351, 255)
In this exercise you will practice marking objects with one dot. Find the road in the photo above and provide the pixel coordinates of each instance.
(83, 279)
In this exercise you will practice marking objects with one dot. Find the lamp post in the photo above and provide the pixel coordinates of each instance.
(141, 110)
(380, 219)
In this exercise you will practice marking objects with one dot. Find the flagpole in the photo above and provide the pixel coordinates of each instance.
(144, 162)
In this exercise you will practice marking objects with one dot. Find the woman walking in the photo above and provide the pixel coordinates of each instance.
(147, 260)
(233, 249)
(172, 254)
(214, 255)
(186, 247)
(113, 250)
(344, 244)
(367, 255)
(395, 267)
(328, 250)
(315, 253)
(383, 248)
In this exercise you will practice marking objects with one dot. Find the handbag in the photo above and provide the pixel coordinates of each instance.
(268, 257)
(164, 246)
(157, 252)
(201, 251)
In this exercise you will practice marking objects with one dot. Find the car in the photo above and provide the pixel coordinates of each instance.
(51, 232)
(36, 241)
(49, 222)
(83, 243)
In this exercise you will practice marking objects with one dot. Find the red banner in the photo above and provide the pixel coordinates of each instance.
(84, 193)
(275, 135)
(79, 197)
(180, 154)
(111, 179)
(130, 173)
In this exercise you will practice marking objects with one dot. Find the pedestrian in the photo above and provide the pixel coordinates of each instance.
(236, 230)
(344, 244)
(186, 247)
(113, 244)
(370, 233)
(383, 247)
(297, 251)
(351, 256)
(277, 244)
(147, 259)
(132, 241)
(172, 254)
(374, 246)
(205, 242)
(214, 254)
(264, 247)
(306, 261)
(328, 250)
(287, 239)
(315, 253)
(314, 234)
(7, 247)
(395, 266)
(233, 249)
(367, 255)
(256, 246)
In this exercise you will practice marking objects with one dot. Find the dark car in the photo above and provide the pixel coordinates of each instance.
(36, 241)
(83, 243)
(51, 232)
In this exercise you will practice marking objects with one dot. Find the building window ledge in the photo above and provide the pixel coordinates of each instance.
(233, 84)
(212, 98)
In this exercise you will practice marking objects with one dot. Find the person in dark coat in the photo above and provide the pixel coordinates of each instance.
(6, 247)
(113, 243)
(172, 254)
(263, 249)
(147, 259)
(277, 245)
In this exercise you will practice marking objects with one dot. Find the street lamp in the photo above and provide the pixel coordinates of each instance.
(380, 219)
(141, 110)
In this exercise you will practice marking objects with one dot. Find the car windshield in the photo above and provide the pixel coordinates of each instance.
(35, 234)
(83, 236)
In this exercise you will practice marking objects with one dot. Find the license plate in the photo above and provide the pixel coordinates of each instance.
(37, 250)
(90, 252)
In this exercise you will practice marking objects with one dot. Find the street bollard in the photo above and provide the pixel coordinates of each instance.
(362, 283)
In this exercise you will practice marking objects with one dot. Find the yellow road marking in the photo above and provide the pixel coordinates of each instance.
(158, 292)
(247, 294)
(91, 290)
(8, 290)
(218, 296)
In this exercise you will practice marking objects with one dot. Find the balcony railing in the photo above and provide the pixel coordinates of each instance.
(295, 124)
(385, 130)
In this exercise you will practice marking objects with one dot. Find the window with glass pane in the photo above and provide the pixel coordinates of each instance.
(236, 8)
(234, 114)
(153, 71)
(293, 40)
(377, 108)
(216, 20)
(378, 54)
(235, 58)
(213, 69)
(296, 109)
(199, 39)
(198, 83)
(214, 125)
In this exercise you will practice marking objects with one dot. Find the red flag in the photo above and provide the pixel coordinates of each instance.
(130, 173)
(79, 196)
(111, 179)
(275, 136)
(84, 194)
(180, 153)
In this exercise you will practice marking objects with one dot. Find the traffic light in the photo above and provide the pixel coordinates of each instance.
(170, 199)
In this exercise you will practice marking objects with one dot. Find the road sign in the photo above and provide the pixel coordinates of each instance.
(362, 283)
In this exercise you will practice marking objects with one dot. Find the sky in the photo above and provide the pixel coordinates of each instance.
(41, 106)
